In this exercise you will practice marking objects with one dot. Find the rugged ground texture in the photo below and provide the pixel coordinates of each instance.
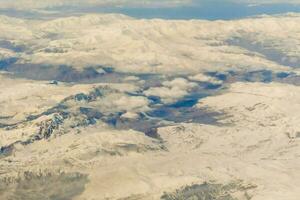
(149, 109)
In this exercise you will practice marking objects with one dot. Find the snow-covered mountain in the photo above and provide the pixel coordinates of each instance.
(112, 107)
(157, 46)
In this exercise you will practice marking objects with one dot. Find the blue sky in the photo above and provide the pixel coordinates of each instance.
(168, 9)
(212, 10)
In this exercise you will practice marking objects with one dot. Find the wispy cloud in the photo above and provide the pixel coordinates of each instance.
(248, 2)
(46, 4)
(258, 2)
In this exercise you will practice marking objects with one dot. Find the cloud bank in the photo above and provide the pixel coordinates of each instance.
(48, 4)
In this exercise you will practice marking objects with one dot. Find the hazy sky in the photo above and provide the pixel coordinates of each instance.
(44, 4)
(181, 9)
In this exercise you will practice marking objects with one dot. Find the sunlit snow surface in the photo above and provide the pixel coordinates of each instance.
(125, 108)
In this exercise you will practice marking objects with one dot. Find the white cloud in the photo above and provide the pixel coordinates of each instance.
(43, 4)
(6, 54)
(259, 2)
(130, 115)
(204, 78)
(172, 90)
(249, 2)
(116, 102)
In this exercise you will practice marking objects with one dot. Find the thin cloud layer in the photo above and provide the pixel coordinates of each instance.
(258, 2)
(47, 4)
(251, 2)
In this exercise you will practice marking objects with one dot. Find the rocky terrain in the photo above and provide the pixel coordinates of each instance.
(122, 108)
